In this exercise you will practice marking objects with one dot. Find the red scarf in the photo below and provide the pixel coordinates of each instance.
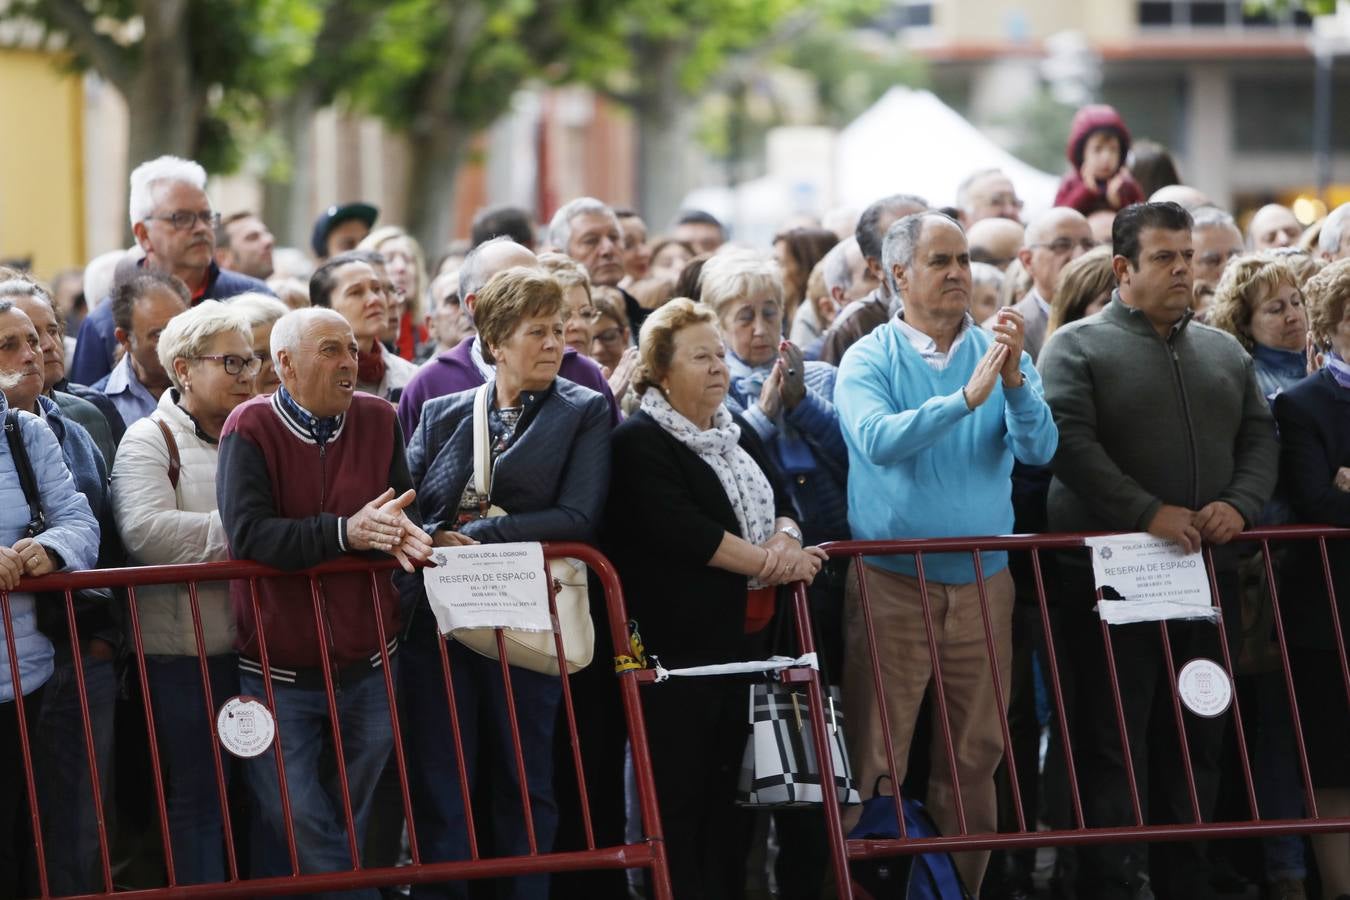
(370, 365)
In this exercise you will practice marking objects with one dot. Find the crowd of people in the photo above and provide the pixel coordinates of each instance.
(707, 414)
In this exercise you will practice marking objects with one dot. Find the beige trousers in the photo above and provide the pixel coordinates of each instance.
(906, 674)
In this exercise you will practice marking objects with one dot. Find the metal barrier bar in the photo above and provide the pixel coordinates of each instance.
(1231, 671)
(288, 821)
(1052, 657)
(844, 850)
(394, 726)
(231, 861)
(882, 712)
(939, 692)
(156, 765)
(999, 694)
(25, 741)
(87, 724)
(649, 854)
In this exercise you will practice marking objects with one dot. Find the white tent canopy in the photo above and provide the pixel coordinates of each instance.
(908, 142)
(912, 142)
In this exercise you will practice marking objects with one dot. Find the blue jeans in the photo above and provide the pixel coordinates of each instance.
(305, 735)
(61, 765)
(185, 745)
(433, 772)
(1279, 784)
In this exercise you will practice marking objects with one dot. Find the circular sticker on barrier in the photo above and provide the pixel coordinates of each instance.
(245, 726)
(1204, 688)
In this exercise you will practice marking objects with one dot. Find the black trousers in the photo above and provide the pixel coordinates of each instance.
(17, 859)
(1180, 869)
(698, 728)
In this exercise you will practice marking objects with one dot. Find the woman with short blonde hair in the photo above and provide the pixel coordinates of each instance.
(1258, 301)
(164, 500)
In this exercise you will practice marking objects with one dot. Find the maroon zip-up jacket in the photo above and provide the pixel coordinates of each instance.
(284, 501)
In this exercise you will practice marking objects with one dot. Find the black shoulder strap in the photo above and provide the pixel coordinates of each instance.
(37, 522)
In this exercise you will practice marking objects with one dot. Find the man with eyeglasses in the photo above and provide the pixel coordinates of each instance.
(175, 227)
(1053, 238)
(988, 194)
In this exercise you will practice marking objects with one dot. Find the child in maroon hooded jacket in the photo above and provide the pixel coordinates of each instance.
(1099, 179)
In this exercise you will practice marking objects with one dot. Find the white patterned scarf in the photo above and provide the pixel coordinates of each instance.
(746, 485)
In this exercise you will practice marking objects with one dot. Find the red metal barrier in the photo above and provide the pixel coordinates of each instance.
(1025, 834)
(648, 854)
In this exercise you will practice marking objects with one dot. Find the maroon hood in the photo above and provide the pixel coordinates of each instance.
(1095, 118)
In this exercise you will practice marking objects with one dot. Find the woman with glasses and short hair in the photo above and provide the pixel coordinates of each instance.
(164, 500)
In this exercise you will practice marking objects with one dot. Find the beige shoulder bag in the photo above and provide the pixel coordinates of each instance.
(533, 650)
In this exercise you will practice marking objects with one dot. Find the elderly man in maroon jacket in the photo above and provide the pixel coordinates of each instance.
(305, 475)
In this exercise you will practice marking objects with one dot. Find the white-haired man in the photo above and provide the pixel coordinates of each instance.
(175, 227)
(1333, 242)
(987, 194)
(933, 408)
(356, 496)
(588, 230)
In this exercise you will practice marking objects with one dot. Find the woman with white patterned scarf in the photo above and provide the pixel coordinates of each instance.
(701, 537)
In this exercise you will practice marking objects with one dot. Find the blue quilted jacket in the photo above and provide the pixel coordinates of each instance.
(71, 532)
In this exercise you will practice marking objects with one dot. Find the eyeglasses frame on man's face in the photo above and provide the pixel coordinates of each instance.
(1065, 245)
(232, 361)
(182, 219)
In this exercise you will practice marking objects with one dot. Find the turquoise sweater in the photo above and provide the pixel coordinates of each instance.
(921, 464)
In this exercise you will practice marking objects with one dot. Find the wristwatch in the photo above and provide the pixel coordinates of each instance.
(791, 531)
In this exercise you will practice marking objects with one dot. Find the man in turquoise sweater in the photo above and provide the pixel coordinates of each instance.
(933, 411)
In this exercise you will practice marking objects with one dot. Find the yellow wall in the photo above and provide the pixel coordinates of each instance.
(981, 21)
(41, 162)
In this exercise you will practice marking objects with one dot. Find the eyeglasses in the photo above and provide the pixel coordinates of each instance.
(234, 365)
(1064, 245)
(183, 218)
(610, 336)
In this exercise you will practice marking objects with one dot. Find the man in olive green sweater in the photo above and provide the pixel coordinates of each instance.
(1162, 429)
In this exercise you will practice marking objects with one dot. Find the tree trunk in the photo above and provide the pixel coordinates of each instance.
(287, 193)
(435, 155)
(164, 102)
(662, 114)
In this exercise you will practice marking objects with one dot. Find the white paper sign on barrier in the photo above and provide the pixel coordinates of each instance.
(1144, 578)
(488, 586)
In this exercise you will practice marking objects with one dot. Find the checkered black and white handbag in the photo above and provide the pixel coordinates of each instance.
(779, 767)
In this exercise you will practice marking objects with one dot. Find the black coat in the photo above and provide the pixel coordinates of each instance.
(666, 516)
(1314, 422)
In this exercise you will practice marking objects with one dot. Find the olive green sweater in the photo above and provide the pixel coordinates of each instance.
(1145, 421)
